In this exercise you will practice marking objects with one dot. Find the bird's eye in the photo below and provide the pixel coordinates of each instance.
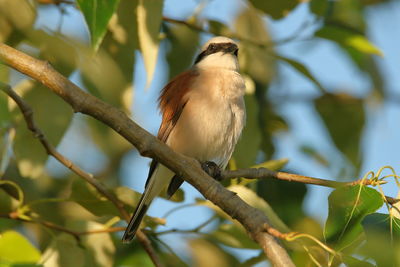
(211, 46)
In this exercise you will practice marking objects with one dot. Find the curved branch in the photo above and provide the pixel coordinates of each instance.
(27, 113)
(149, 146)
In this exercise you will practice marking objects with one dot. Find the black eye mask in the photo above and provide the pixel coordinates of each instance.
(218, 47)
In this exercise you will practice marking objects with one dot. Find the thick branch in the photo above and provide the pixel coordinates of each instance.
(251, 218)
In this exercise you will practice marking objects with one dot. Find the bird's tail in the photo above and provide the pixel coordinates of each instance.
(157, 182)
(136, 219)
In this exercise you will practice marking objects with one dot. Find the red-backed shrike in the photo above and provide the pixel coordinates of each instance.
(203, 115)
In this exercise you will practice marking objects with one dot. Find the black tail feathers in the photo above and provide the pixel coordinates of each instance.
(134, 223)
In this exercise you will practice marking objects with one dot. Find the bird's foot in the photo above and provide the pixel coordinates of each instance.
(212, 169)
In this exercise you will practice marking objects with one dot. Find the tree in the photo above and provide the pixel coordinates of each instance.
(65, 218)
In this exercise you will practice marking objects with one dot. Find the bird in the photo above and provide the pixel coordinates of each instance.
(203, 114)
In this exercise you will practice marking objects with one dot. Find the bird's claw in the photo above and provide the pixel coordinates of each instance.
(212, 169)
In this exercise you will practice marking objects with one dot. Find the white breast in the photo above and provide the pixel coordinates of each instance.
(213, 118)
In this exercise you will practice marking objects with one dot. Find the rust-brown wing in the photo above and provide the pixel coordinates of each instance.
(172, 101)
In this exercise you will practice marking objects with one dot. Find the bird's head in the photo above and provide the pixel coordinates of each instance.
(218, 52)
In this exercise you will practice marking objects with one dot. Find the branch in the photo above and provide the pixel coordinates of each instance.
(392, 200)
(50, 225)
(198, 28)
(264, 173)
(232, 35)
(55, 2)
(27, 112)
(149, 146)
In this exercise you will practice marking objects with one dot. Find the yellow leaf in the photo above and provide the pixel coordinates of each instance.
(149, 14)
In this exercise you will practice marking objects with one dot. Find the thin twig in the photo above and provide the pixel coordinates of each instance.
(54, 226)
(195, 230)
(55, 2)
(232, 35)
(392, 200)
(263, 173)
(148, 247)
(198, 28)
(105, 230)
(27, 112)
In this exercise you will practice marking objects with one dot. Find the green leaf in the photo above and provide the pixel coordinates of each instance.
(348, 38)
(88, 197)
(3, 264)
(108, 74)
(53, 124)
(219, 29)
(362, 53)
(205, 253)
(251, 198)
(348, 13)
(63, 251)
(50, 46)
(7, 205)
(16, 18)
(15, 248)
(302, 69)
(149, 15)
(99, 248)
(103, 74)
(290, 208)
(153, 222)
(383, 239)
(276, 9)
(7, 136)
(12, 189)
(178, 196)
(354, 262)
(233, 236)
(120, 43)
(184, 44)
(5, 115)
(135, 258)
(383, 223)
(97, 14)
(347, 208)
(344, 117)
(249, 143)
(273, 165)
(254, 56)
(313, 153)
(127, 195)
(319, 7)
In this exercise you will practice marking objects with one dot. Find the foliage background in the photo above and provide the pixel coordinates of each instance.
(322, 92)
